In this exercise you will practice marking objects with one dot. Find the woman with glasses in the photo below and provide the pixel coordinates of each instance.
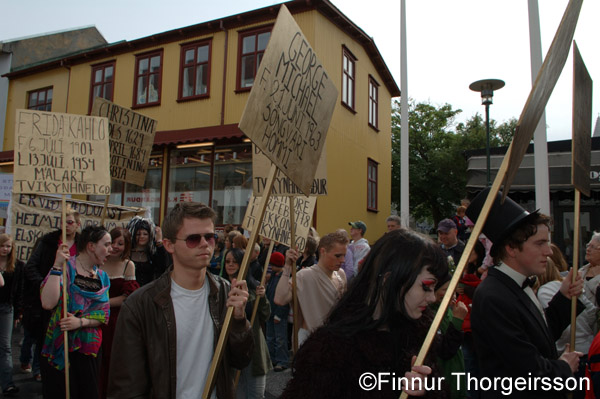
(121, 271)
(10, 272)
(253, 379)
(591, 271)
(87, 310)
(147, 252)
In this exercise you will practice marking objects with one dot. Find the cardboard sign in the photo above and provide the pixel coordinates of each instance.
(541, 91)
(35, 215)
(283, 185)
(276, 222)
(291, 103)
(582, 125)
(61, 154)
(131, 138)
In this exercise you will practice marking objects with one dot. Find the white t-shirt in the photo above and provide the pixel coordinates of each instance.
(195, 339)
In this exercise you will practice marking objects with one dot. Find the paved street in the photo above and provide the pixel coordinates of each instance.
(31, 389)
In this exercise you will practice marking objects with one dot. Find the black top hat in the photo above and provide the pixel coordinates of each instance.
(502, 220)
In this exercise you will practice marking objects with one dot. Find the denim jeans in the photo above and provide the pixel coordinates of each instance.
(277, 341)
(251, 386)
(27, 348)
(6, 364)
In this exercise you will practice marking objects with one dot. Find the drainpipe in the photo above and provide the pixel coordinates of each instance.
(62, 64)
(224, 72)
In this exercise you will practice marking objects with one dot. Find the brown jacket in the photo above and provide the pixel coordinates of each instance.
(144, 355)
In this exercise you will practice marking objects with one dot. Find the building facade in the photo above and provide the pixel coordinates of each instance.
(195, 82)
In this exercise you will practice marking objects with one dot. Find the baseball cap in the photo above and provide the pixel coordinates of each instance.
(359, 225)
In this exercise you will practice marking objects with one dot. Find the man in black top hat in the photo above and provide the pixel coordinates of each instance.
(515, 337)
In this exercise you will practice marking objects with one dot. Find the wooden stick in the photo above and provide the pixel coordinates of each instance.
(489, 202)
(210, 379)
(255, 307)
(104, 210)
(65, 297)
(294, 291)
(575, 264)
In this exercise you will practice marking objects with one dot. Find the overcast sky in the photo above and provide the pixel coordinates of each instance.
(450, 43)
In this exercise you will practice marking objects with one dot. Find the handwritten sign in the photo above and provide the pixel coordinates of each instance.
(291, 103)
(283, 185)
(276, 222)
(131, 138)
(582, 124)
(35, 215)
(61, 154)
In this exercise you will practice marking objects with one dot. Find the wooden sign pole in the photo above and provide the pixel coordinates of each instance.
(65, 297)
(104, 210)
(255, 307)
(294, 291)
(575, 264)
(216, 360)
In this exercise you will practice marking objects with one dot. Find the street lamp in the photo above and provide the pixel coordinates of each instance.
(487, 87)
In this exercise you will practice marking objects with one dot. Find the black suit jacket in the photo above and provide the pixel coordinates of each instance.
(512, 340)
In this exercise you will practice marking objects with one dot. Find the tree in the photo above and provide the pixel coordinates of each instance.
(437, 164)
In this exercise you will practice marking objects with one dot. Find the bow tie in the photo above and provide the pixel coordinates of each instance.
(529, 282)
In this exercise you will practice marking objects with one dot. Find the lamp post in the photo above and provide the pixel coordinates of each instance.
(486, 87)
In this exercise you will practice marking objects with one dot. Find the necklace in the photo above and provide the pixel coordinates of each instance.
(91, 272)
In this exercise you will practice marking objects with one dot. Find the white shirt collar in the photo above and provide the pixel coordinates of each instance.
(512, 273)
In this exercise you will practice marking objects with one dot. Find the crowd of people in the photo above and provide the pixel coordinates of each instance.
(146, 306)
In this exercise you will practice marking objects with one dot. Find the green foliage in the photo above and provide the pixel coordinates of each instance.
(438, 167)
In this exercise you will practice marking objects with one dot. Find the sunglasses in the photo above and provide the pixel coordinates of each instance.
(70, 222)
(193, 240)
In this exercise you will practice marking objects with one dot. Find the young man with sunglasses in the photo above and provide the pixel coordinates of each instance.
(35, 319)
(168, 330)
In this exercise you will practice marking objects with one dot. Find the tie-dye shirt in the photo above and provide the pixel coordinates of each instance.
(80, 303)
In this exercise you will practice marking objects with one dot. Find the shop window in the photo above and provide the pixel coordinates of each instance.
(251, 48)
(40, 100)
(189, 175)
(232, 183)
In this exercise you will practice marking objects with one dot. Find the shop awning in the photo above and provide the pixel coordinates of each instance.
(197, 134)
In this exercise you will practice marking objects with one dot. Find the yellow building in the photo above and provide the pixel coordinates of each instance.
(196, 80)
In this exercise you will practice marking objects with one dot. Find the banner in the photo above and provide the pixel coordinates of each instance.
(131, 138)
(61, 154)
(34, 215)
(276, 222)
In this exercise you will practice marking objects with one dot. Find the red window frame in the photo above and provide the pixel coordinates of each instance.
(373, 103)
(256, 53)
(372, 167)
(348, 79)
(194, 65)
(105, 84)
(148, 74)
(40, 105)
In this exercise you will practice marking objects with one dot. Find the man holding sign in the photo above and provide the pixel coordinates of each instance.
(167, 330)
(515, 337)
(319, 286)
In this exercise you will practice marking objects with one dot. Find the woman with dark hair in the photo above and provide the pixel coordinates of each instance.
(253, 378)
(10, 277)
(87, 309)
(147, 251)
(121, 272)
(378, 325)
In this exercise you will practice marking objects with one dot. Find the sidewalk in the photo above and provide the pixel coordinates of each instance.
(28, 387)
